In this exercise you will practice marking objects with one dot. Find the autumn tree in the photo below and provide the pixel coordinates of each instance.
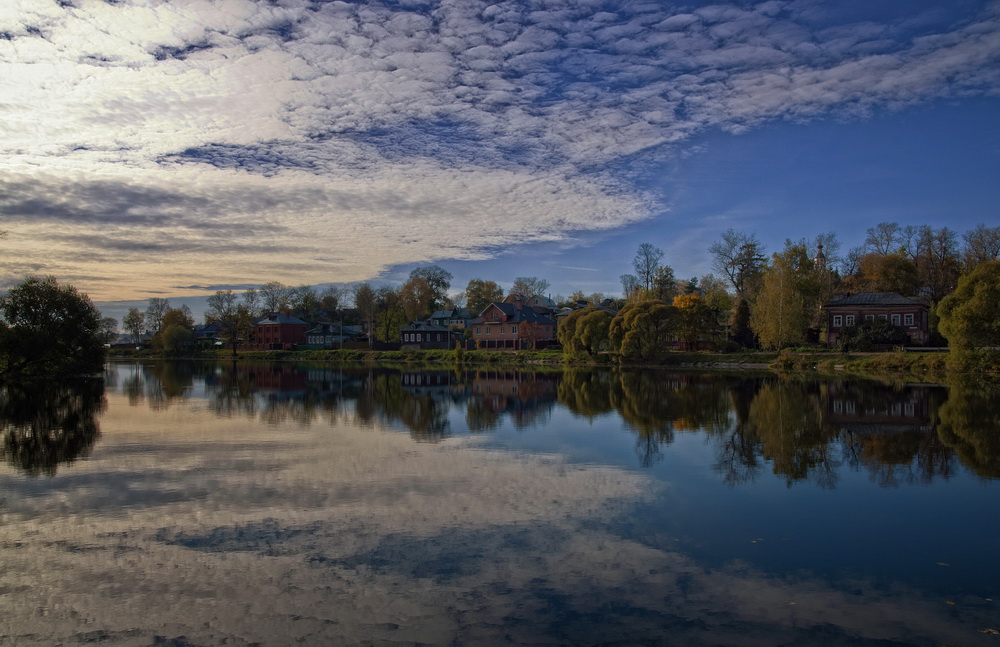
(438, 281)
(884, 273)
(480, 293)
(787, 300)
(176, 331)
(417, 298)
(48, 329)
(390, 315)
(696, 320)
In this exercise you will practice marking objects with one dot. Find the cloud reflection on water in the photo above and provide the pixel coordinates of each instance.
(259, 529)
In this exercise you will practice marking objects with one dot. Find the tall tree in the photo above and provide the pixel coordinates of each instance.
(938, 261)
(630, 286)
(390, 314)
(275, 297)
(884, 238)
(233, 318)
(156, 308)
(134, 322)
(664, 286)
(529, 286)
(982, 245)
(108, 329)
(480, 293)
(740, 258)
(417, 299)
(647, 260)
(789, 299)
(304, 303)
(438, 280)
(252, 302)
(364, 302)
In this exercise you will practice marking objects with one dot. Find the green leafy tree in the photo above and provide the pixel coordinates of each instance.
(642, 330)
(969, 318)
(696, 320)
(479, 294)
(585, 330)
(777, 317)
(869, 333)
(49, 329)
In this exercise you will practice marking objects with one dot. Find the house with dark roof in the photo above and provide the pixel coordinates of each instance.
(454, 318)
(327, 334)
(513, 326)
(278, 331)
(910, 316)
(423, 335)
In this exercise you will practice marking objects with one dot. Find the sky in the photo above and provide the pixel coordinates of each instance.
(174, 148)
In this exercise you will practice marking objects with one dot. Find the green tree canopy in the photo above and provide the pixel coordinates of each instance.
(969, 317)
(642, 330)
(479, 294)
(49, 329)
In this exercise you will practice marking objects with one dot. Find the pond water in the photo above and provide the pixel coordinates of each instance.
(182, 504)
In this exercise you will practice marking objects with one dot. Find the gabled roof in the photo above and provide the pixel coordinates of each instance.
(330, 328)
(873, 299)
(424, 326)
(277, 318)
(517, 315)
(456, 313)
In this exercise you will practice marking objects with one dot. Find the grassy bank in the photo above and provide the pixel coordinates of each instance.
(918, 366)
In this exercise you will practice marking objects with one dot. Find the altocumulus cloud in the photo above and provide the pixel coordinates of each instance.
(323, 141)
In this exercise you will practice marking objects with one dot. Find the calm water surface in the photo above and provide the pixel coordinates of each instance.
(203, 504)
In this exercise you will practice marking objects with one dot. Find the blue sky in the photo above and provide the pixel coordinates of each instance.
(170, 149)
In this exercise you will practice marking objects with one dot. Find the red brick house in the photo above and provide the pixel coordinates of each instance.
(850, 310)
(278, 331)
(513, 326)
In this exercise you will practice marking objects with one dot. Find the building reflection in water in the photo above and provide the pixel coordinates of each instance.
(796, 429)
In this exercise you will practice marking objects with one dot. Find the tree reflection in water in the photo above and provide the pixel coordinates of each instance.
(798, 429)
(45, 424)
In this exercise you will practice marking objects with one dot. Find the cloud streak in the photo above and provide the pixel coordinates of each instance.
(316, 141)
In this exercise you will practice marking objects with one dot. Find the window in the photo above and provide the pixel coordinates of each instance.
(908, 319)
(487, 330)
(869, 317)
(849, 320)
(896, 320)
(479, 330)
(501, 330)
(838, 321)
(439, 336)
(513, 330)
(495, 316)
(883, 317)
(417, 337)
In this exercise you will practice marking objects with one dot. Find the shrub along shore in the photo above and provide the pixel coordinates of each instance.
(911, 365)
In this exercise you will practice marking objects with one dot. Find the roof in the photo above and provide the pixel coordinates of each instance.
(277, 318)
(423, 326)
(456, 313)
(517, 315)
(873, 299)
